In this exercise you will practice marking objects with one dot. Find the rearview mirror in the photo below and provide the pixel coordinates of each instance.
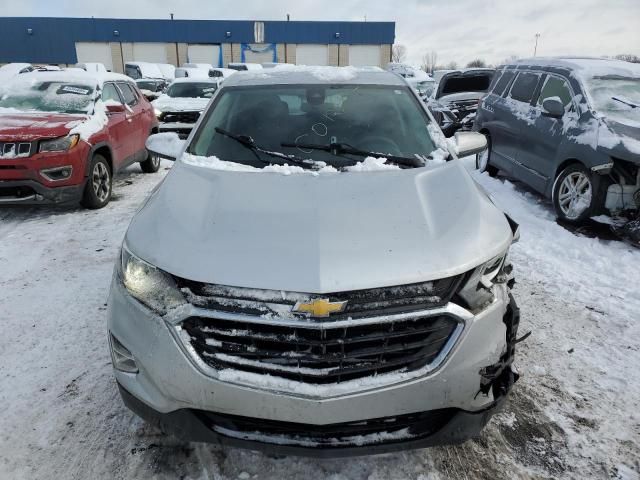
(165, 145)
(470, 143)
(552, 107)
(115, 108)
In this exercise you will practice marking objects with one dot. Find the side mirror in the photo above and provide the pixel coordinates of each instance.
(470, 143)
(552, 107)
(115, 108)
(166, 145)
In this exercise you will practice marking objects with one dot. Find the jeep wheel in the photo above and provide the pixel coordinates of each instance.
(577, 194)
(151, 164)
(97, 191)
(483, 160)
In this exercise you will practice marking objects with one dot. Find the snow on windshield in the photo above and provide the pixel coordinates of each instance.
(616, 97)
(31, 93)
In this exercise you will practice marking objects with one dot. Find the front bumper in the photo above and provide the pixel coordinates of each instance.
(170, 388)
(30, 192)
(182, 129)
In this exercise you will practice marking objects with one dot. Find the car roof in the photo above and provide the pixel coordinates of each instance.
(80, 76)
(294, 75)
(583, 65)
(195, 80)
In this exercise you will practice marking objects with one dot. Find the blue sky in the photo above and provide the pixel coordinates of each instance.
(458, 30)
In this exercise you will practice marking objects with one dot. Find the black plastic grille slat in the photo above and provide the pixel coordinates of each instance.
(323, 354)
(180, 117)
(418, 424)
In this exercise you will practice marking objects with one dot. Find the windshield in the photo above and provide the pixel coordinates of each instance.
(381, 119)
(47, 96)
(614, 97)
(192, 90)
(152, 85)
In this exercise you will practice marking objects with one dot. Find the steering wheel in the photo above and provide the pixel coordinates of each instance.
(374, 143)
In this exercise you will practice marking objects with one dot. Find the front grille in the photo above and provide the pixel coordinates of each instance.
(320, 352)
(179, 117)
(16, 192)
(360, 303)
(15, 149)
(362, 432)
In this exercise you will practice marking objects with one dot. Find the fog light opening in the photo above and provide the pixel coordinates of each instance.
(58, 173)
(121, 358)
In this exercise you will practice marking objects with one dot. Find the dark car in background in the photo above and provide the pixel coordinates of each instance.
(570, 129)
(455, 100)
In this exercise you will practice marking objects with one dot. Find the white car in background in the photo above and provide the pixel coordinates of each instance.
(167, 70)
(179, 108)
(137, 70)
(12, 69)
(92, 67)
(244, 66)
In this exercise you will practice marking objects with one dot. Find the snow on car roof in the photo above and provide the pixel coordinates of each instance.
(291, 75)
(586, 66)
(71, 76)
(195, 80)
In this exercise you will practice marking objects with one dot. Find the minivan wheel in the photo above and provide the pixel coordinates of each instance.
(97, 191)
(151, 164)
(483, 161)
(577, 194)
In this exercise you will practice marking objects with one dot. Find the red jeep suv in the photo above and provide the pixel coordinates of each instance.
(64, 135)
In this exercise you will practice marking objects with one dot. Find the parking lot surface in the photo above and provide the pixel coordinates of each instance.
(575, 413)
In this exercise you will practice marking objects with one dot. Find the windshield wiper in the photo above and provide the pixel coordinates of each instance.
(346, 149)
(626, 102)
(248, 142)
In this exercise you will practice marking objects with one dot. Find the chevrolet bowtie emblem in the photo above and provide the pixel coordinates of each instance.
(321, 307)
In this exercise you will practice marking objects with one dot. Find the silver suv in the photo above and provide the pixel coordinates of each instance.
(290, 287)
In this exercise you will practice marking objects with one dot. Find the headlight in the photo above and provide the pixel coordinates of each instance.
(477, 292)
(157, 112)
(61, 144)
(149, 285)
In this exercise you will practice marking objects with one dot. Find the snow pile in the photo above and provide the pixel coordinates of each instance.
(167, 143)
(166, 103)
(372, 164)
(326, 74)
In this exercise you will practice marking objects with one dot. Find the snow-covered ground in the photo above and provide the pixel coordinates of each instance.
(575, 413)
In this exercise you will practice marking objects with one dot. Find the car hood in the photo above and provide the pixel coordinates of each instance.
(318, 234)
(620, 139)
(176, 104)
(32, 126)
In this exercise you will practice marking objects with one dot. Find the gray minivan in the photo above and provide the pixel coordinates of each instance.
(570, 129)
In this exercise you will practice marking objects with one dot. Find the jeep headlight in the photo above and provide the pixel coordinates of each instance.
(148, 284)
(60, 144)
(157, 112)
(477, 291)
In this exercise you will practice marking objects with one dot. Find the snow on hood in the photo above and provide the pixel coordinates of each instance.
(165, 103)
(318, 234)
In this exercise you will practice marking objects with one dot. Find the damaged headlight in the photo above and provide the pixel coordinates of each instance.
(148, 284)
(476, 292)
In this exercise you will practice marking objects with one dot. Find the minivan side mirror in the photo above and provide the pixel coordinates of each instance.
(470, 143)
(165, 145)
(552, 107)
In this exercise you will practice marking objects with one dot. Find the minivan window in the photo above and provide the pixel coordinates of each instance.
(524, 86)
(132, 71)
(381, 119)
(555, 87)
(503, 82)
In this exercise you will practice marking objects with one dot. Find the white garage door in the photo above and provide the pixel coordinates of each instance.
(94, 52)
(312, 54)
(260, 53)
(364, 55)
(150, 52)
(201, 53)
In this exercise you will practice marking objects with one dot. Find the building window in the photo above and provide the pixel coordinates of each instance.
(258, 32)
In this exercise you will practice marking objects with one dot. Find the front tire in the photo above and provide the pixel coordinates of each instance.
(577, 194)
(151, 164)
(483, 160)
(97, 191)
